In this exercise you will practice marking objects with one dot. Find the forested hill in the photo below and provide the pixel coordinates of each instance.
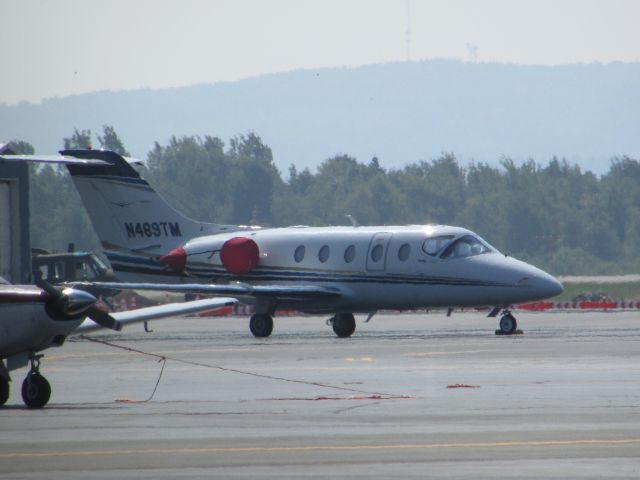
(400, 112)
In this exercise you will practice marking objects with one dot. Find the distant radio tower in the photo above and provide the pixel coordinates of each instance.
(408, 32)
(472, 52)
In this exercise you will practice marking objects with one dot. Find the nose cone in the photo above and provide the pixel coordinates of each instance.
(535, 284)
(176, 259)
(544, 285)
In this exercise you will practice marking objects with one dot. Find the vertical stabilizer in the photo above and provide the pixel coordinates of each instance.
(135, 225)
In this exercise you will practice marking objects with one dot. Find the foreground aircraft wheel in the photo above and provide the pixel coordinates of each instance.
(35, 391)
(344, 324)
(261, 325)
(4, 390)
(508, 324)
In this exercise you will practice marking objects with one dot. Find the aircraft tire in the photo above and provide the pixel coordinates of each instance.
(261, 325)
(4, 390)
(344, 324)
(508, 324)
(36, 391)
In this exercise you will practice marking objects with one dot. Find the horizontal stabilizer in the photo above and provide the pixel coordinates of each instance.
(59, 159)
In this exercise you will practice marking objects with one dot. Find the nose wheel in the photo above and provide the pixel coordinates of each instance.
(508, 324)
(36, 390)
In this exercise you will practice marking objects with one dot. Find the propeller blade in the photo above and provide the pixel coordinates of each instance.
(104, 319)
(47, 287)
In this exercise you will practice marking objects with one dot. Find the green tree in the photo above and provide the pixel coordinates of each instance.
(21, 147)
(110, 141)
(79, 140)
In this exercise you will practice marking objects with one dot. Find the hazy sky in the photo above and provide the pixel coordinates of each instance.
(57, 48)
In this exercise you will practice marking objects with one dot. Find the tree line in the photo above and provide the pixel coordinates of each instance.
(557, 216)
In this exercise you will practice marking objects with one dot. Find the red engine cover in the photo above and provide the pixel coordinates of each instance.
(239, 255)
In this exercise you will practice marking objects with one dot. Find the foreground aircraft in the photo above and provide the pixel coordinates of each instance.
(34, 318)
(334, 270)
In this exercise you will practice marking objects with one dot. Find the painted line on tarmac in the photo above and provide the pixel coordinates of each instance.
(320, 448)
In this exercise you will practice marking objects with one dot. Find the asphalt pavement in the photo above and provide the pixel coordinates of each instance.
(410, 395)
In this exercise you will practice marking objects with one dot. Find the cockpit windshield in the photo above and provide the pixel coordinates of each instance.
(466, 246)
(433, 245)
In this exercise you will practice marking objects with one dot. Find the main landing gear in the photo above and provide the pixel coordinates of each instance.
(344, 324)
(4, 388)
(261, 324)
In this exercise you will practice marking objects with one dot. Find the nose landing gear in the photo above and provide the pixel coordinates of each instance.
(508, 324)
(36, 390)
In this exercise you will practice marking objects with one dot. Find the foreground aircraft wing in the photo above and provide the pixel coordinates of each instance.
(59, 159)
(158, 312)
(296, 292)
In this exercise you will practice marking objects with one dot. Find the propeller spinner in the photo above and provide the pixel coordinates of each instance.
(70, 304)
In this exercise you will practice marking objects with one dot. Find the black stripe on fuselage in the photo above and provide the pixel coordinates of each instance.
(276, 275)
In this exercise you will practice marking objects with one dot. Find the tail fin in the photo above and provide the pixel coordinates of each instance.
(135, 225)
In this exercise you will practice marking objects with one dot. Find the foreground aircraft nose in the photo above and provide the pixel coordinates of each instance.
(176, 259)
(76, 302)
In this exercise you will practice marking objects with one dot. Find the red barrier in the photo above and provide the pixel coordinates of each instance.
(584, 305)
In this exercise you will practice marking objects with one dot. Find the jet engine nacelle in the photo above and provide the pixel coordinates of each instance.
(239, 255)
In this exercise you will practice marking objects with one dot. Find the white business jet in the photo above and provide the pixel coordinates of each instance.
(330, 270)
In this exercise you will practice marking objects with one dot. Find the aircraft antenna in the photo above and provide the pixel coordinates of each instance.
(352, 219)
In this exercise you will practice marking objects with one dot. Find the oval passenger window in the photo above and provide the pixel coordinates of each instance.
(403, 253)
(323, 254)
(350, 254)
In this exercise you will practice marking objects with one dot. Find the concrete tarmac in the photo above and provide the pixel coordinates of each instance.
(561, 401)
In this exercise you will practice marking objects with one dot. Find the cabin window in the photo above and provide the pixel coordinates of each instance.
(81, 271)
(376, 253)
(59, 271)
(323, 254)
(433, 245)
(299, 254)
(403, 252)
(466, 246)
(44, 270)
(350, 253)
